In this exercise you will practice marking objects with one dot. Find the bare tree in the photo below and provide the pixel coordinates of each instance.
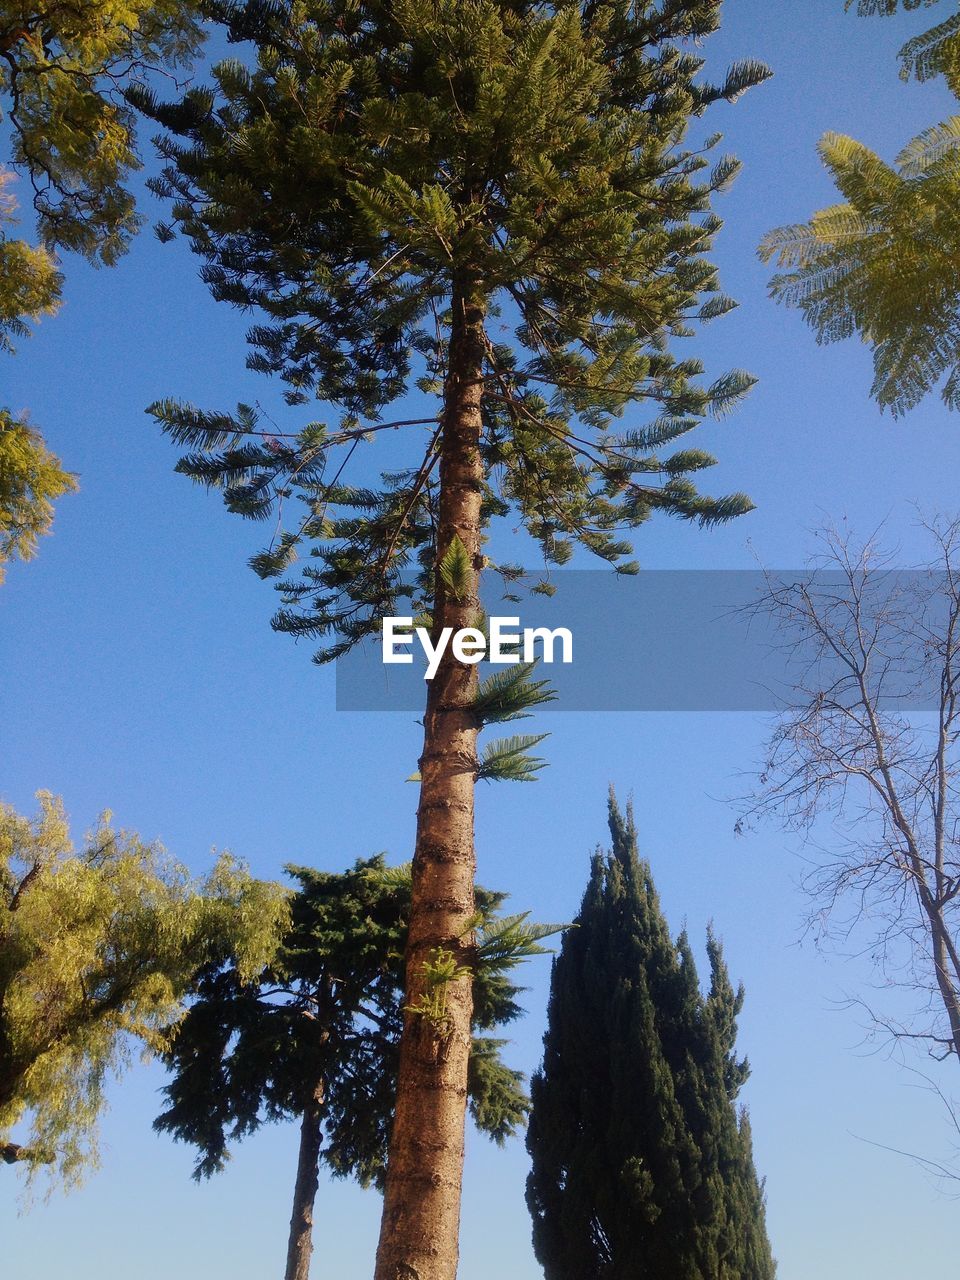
(868, 738)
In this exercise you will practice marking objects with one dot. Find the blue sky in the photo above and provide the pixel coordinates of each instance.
(140, 673)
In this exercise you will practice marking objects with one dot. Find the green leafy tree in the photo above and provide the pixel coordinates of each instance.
(315, 1037)
(885, 263)
(29, 279)
(641, 1164)
(64, 69)
(490, 201)
(97, 951)
(31, 477)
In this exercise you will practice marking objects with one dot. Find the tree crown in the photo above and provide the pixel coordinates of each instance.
(96, 948)
(327, 1012)
(641, 1164)
(380, 162)
(884, 262)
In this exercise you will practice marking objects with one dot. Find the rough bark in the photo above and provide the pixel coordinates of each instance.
(946, 972)
(421, 1214)
(300, 1245)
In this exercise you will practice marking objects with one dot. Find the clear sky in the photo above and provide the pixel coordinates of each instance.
(139, 672)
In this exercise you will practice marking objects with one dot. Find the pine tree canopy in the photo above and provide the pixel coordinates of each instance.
(323, 1020)
(884, 263)
(641, 1165)
(97, 950)
(376, 161)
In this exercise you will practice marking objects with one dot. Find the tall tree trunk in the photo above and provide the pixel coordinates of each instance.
(945, 972)
(421, 1212)
(300, 1245)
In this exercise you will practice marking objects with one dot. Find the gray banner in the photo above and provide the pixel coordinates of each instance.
(687, 640)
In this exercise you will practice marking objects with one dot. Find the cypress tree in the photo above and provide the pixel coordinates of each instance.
(642, 1167)
(490, 200)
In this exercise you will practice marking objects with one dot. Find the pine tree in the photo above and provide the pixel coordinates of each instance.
(315, 1035)
(884, 263)
(641, 1165)
(395, 187)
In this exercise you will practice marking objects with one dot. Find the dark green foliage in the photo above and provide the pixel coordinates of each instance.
(328, 1012)
(377, 159)
(642, 1169)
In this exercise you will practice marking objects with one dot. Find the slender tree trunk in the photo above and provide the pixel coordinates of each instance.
(945, 979)
(421, 1212)
(300, 1245)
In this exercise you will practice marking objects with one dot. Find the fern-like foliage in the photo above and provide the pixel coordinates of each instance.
(454, 568)
(505, 941)
(511, 694)
(868, 8)
(509, 759)
(927, 148)
(885, 264)
(935, 52)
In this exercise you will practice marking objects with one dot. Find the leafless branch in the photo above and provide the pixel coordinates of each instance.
(871, 644)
